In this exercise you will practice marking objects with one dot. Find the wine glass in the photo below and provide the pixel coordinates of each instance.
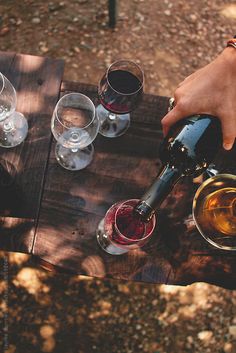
(74, 125)
(119, 91)
(214, 211)
(121, 230)
(13, 125)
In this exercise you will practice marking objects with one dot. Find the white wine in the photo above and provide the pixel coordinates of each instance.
(214, 211)
(219, 211)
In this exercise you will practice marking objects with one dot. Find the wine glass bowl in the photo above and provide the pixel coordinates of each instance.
(7, 98)
(13, 125)
(121, 230)
(74, 125)
(120, 91)
(214, 211)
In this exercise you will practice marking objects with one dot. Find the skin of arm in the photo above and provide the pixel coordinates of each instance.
(210, 90)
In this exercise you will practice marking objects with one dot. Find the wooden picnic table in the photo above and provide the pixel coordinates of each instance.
(52, 213)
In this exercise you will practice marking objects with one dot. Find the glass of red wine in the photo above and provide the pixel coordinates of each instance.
(120, 90)
(122, 230)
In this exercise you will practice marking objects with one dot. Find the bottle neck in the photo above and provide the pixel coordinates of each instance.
(156, 194)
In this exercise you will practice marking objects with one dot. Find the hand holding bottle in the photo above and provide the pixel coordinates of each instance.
(210, 90)
(187, 150)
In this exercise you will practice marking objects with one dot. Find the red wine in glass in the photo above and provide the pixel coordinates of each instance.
(126, 84)
(121, 230)
(120, 91)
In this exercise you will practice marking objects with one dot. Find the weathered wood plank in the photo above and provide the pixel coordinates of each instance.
(37, 82)
(74, 202)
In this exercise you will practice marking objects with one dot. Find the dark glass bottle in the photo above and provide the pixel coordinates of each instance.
(187, 150)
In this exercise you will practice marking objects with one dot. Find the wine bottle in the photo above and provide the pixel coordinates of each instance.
(187, 150)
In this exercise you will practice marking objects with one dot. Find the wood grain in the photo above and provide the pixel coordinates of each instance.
(74, 202)
(37, 82)
(66, 207)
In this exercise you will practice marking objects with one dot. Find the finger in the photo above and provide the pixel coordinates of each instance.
(229, 133)
(171, 118)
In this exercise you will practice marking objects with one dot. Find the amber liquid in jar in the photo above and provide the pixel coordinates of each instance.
(219, 211)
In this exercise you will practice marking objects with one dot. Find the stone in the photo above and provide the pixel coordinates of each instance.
(232, 330)
(228, 348)
(205, 336)
(36, 20)
(167, 12)
(4, 31)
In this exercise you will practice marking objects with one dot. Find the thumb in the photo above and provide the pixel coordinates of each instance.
(171, 118)
(229, 132)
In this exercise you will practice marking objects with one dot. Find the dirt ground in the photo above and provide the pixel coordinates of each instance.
(41, 312)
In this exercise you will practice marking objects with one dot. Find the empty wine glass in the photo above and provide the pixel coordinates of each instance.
(214, 211)
(119, 91)
(13, 125)
(74, 125)
(121, 230)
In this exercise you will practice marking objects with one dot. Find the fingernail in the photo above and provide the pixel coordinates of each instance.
(227, 146)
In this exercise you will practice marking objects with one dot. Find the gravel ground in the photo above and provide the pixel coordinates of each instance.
(42, 312)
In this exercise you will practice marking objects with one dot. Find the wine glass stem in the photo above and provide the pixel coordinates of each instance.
(112, 116)
(8, 126)
(74, 150)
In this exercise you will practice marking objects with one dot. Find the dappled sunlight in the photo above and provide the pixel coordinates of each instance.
(192, 298)
(31, 280)
(94, 265)
(27, 103)
(229, 11)
(170, 290)
(31, 64)
(8, 157)
(104, 309)
(188, 311)
(17, 258)
(84, 278)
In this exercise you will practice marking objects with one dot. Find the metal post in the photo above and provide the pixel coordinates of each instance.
(112, 9)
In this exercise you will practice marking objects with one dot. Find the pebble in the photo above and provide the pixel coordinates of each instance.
(167, 12)
(36, 20)
(70, 28)
(232, 330)
(46, 331)
(205, 336)
(4, 31)
(228, 348)
(154, 302)
(190, 339)
(19, 22)
(193, 18)
(76, 49)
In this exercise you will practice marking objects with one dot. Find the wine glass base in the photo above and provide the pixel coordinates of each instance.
(105, 243)
(13, 130)
(76, 159)
(112, 125)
